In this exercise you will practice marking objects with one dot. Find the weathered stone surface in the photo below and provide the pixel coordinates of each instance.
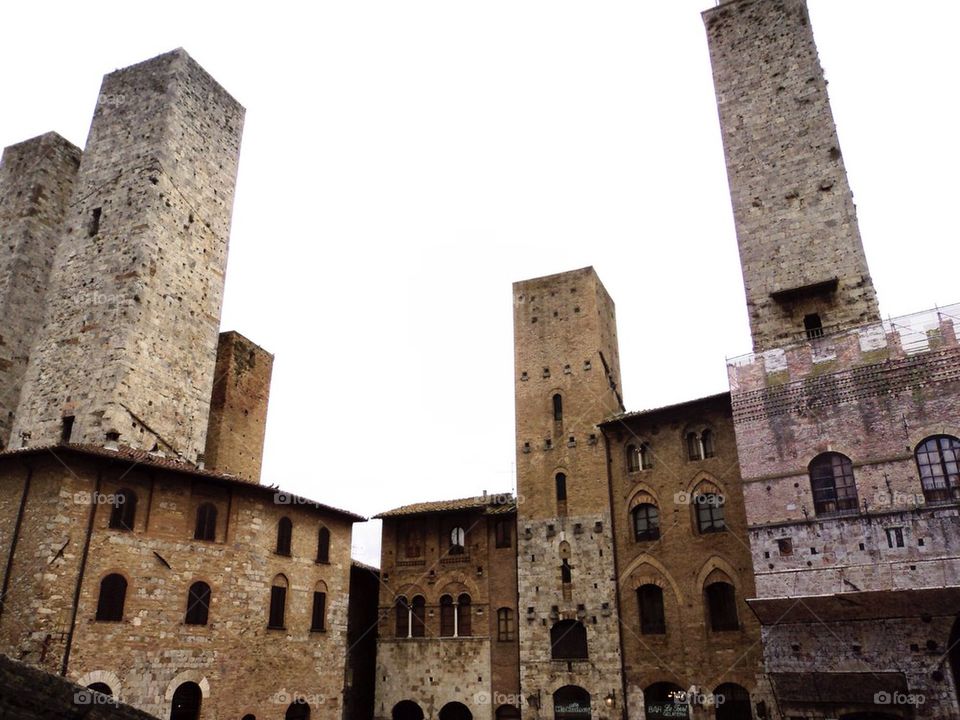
(129, 340)
(36, 180)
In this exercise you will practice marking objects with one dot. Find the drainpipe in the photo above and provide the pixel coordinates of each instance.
(83, 566)
(14, 540)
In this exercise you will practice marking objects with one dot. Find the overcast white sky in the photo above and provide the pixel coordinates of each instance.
(404, 162)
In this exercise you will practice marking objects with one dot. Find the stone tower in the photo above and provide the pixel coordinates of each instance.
(129, 341)
(804, 268)
(567, 380)
(36, 179)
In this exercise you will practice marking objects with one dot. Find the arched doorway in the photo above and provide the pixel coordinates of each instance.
(732, 702)
(407, 710)
(508, 712)
(455, 711)
(665, 700)
(571, 703)
(186, 702)
(100, 688)
(298, 710)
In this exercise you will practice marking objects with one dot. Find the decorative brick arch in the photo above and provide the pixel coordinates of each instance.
(926, 431)
(194, 676)
(636, 575)
(715, 566)
(642, 493)
(703, 478)
(103, 676)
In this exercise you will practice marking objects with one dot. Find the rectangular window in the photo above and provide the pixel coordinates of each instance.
(895, 537)
(504, 534)
(278, 599)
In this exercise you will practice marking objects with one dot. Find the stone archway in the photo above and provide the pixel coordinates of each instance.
(455, 711)
(407, 710)
(571, 703)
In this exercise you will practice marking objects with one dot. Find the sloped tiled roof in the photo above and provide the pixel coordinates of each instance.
(155, 460)
(490, 504)
(675, 406)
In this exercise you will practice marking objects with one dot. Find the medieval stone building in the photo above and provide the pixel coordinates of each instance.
(142, 558)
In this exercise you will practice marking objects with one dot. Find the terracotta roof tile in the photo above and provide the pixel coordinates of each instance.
(490, 504)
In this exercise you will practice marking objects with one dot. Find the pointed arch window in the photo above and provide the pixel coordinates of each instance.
(832, 483)
(938, 460)
(709, 507)
(206, 527)
(123, 510)
(721, 603)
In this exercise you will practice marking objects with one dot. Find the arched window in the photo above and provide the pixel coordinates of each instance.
(505, 625)
(568, 640)
(284, 536)
(186, 702)
(198, 604)
(323, 546)
(831, 479)
(298, 710)
(566, 576)
(646, 456)
(464, 628)
(124, 509)
(206, 528)
(721, 600)
(646, 522)
(813, 326)
(938, 459)
(561, 482)
(693, 446)
(732, 702)
(448, 617)
(249, 717)
(113, 594)
(633, 458)
(101, 688)
(709, 509)
(318, 618)
(458, 540)
(557, 408)
(418, 617)
(278, 602)
(403, 617)
(701, 444)
(650, 602)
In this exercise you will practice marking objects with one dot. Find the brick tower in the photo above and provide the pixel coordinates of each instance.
(804, 268)
(129, 342)
(567, 380)
(36, 179)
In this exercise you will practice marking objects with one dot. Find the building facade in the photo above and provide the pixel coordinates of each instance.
(448, 642)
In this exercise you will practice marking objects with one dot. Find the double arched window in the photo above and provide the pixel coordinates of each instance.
(832, 483)
(938, 460)
(410, 616)
(700, 444)
(639, 457)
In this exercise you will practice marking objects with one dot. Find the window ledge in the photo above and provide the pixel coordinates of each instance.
(318, 630)
(321, 562)
(276, 627)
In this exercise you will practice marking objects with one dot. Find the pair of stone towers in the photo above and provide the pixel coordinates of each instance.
(112, 271)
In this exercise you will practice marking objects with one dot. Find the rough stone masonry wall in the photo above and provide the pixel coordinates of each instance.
(682, 559)
(36, 180)
(565, 343)
(151, 651)
(238, 408)
(795, 218)
(130, 336)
